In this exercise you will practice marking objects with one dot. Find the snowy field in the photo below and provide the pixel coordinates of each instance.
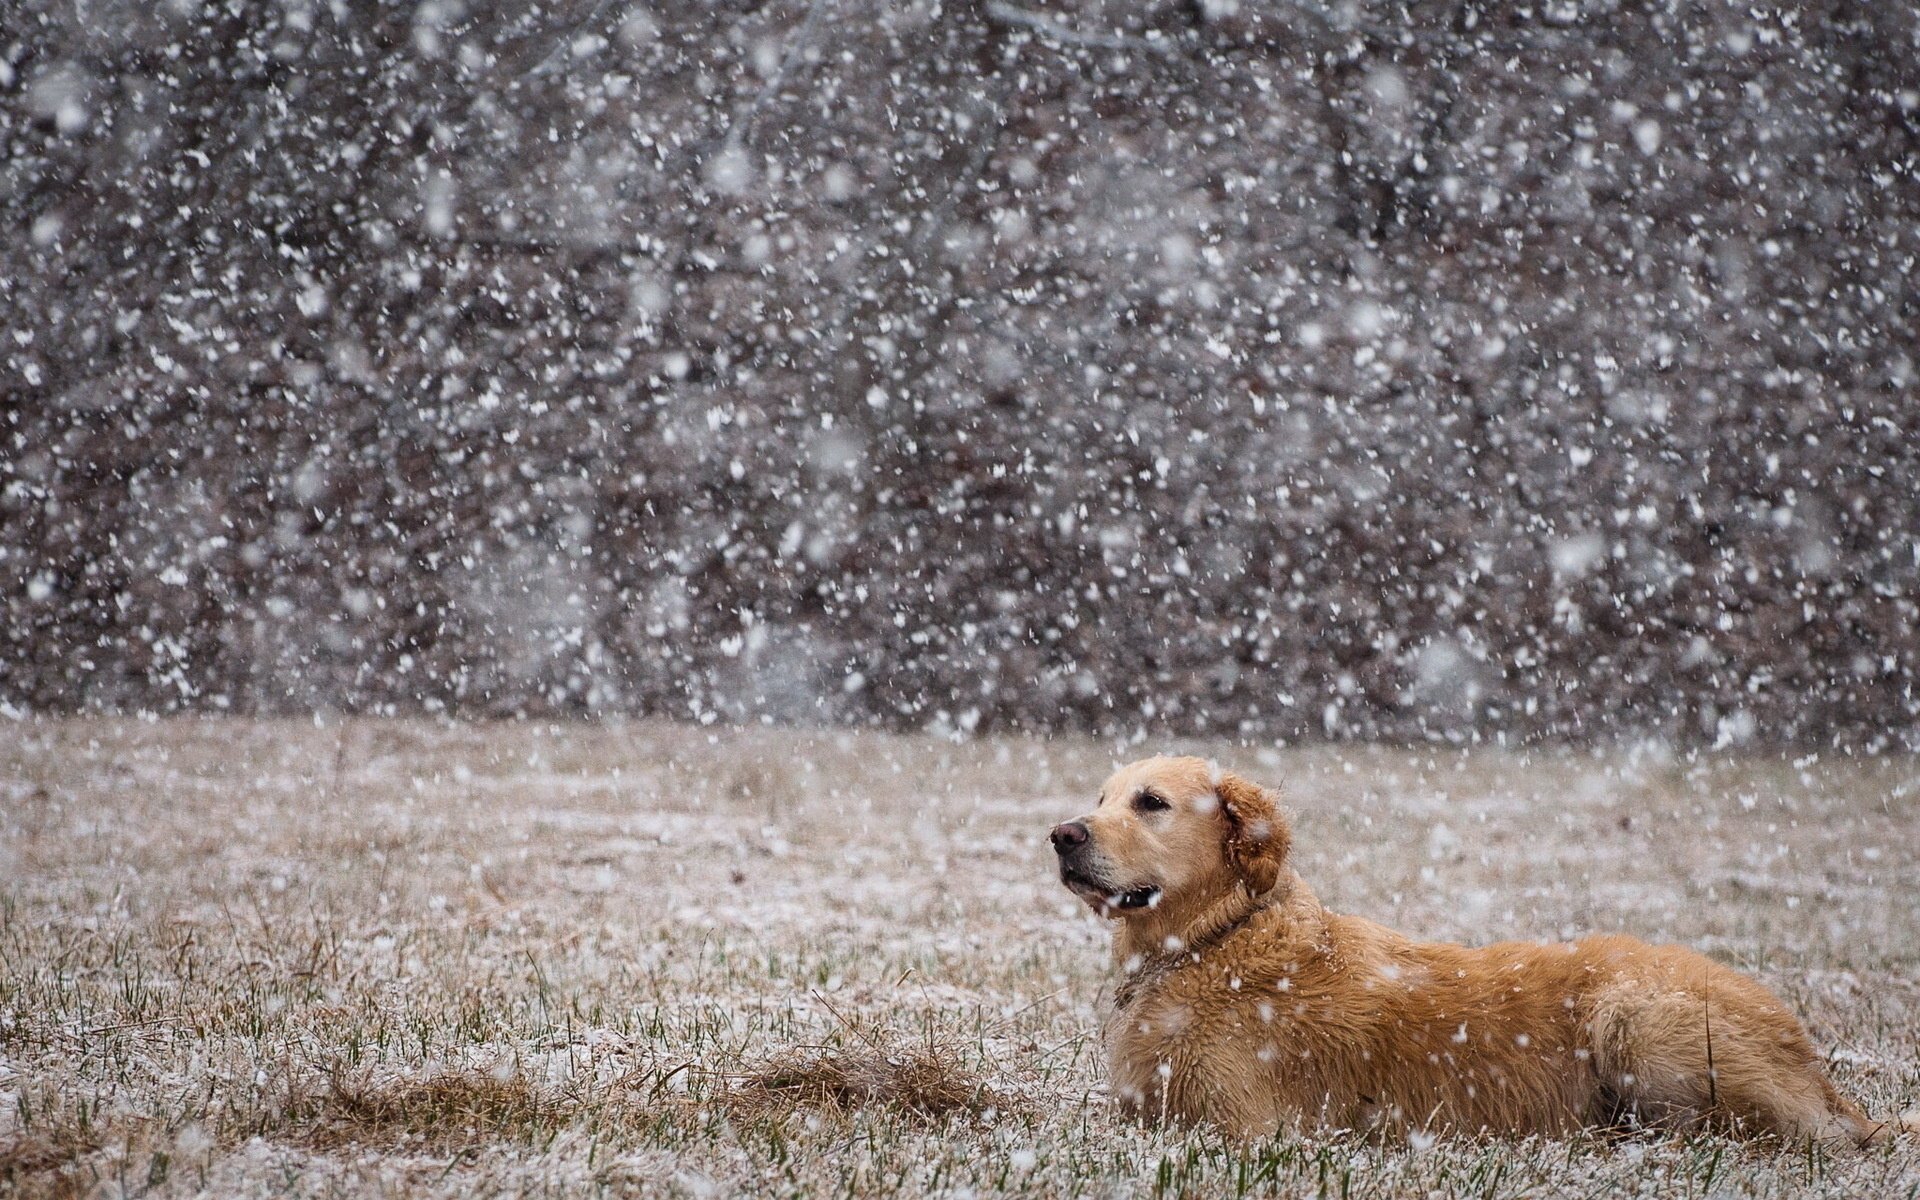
(389, 958)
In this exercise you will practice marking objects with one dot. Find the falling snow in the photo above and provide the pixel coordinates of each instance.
(828, 396)
(1420, 372)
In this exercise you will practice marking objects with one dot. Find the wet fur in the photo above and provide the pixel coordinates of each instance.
(1251, 1006)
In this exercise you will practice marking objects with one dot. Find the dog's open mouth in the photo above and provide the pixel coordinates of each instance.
(1102, 896)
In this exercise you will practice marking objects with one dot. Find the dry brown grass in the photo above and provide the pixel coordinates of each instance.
(417, 960)
(41, 1160)
(53, 1149)
(924, 1080)
(454, 1111)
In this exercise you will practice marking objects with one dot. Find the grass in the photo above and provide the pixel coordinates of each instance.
(411, 959)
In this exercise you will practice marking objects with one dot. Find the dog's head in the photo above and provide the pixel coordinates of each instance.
(1172, 836)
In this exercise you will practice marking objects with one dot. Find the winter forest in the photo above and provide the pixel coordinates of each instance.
(1410, 371)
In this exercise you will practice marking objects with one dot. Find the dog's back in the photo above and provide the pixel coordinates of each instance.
(1342, 1022)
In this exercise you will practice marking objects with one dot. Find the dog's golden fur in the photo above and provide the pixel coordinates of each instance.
(1249, 1005)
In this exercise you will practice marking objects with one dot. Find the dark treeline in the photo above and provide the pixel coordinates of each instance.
(1394, 370)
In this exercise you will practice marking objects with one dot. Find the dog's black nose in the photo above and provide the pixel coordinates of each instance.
(1068, 837)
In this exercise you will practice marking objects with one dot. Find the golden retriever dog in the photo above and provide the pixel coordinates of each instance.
(1247, 1004)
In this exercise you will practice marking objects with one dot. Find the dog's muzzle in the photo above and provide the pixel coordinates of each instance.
(1069, 841)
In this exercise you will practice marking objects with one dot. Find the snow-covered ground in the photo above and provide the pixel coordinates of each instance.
(252, 958)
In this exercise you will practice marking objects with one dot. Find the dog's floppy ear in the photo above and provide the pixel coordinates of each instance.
(1257, 835)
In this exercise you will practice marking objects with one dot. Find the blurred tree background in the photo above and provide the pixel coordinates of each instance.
(1281, 370)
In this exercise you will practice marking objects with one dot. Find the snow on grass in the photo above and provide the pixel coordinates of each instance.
(253, 958)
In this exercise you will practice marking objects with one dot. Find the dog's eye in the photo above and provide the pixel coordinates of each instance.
(1148, 802)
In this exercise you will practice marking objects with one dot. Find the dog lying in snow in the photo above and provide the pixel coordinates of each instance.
(1248, 1005)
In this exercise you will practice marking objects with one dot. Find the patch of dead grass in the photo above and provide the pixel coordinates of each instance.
(39, 1162)
(925, 1080)
(447, 1112)
(61, 1156)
